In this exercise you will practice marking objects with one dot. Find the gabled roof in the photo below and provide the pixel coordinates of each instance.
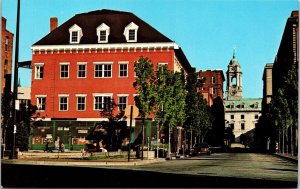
(116, 20)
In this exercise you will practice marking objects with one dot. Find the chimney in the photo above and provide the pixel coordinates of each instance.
(53, 23)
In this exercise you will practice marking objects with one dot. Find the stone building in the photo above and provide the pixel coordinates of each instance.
(241, 114)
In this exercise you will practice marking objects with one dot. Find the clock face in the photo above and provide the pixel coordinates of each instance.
(233, 92)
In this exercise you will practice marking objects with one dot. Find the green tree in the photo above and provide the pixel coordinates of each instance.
(143, 68)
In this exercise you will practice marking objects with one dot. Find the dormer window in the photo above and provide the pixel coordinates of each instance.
(103, 33)
(75, 34)
(130, 32)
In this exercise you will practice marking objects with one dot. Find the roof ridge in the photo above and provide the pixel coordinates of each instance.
(104, 11)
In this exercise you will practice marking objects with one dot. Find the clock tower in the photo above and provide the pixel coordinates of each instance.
(234, 80)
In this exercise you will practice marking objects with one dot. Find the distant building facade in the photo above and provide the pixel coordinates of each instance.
(6, 55)
(80, 67)
(213, 85)
(241, 114)
(267, 84)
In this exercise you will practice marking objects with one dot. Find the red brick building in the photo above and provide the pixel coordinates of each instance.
(213, 85)
(86, 62)
(6, 56)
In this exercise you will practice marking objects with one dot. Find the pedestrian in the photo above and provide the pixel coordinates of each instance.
(47, 147)
(62, 147)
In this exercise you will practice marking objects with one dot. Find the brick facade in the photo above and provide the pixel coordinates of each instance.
(7, 52)
(213, 86)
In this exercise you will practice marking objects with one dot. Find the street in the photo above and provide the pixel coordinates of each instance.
(218, 170)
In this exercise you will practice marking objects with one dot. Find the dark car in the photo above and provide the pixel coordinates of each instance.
(200, 148)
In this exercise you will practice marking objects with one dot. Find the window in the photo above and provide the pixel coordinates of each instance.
(74, 37)
(39, 71)
(256, 116)
(41, 103)
(103, 70)
(81, 102)
(213, 80)
(63, 103)
(242, 116)
(162, 65)
(122, 103)
(6, 43)
(131, 35)
(242, 126)
(213, 90)
(64, 70)
(231, 106)
(130, 32)
(103, 32)
(231, 116)
(81, 67)
(102, 35)
(123, 70)
(232, 126)
(75, 34)
(102, 102)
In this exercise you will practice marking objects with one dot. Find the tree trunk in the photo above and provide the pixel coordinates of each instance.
(292, 141)
(143, 138)
(191, 140)
(283, 142)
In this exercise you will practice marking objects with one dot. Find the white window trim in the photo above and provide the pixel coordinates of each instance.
(40, 96)
(213, 79)
(131, 26)
(100, 95)
(122, 95)
(81, 63)
(103, 27)
(35, 71)
(61, 64)
(102, 63)
(123, 62)
(60, 96)
(80, 95)
(75, 28)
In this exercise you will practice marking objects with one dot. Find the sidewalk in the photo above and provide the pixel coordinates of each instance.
(74, 159)
(287, 157)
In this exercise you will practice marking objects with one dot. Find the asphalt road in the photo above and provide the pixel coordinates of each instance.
(224, 170)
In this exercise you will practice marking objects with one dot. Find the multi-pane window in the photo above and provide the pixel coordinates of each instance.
(242, 116)
(63, 103)
(103, 70)
(64, 70)
(103, 103)
(74, 37)
(231, 116)
(103, 35)
(39, 71)
(242, 126)
(213, 90)
(6, 43)
(123, 70)
(122, 103)
(131, 35)
(213, 80)
(81, 71)
(41, 103)
(81, 103)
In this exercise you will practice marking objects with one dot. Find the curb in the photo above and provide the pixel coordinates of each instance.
(81, 163)
(286, 158)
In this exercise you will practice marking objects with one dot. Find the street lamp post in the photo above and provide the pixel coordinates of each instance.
(15, 82)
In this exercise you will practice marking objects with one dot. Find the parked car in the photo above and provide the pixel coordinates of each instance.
(200, 148)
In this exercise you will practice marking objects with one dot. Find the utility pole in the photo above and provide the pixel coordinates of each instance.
(15, 94)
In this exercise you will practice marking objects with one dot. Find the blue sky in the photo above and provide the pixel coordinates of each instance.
(206, 30)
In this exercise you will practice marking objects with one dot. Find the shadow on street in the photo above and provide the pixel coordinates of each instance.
(84, 177)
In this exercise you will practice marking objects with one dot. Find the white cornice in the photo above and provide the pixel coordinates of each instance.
(110, 47)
